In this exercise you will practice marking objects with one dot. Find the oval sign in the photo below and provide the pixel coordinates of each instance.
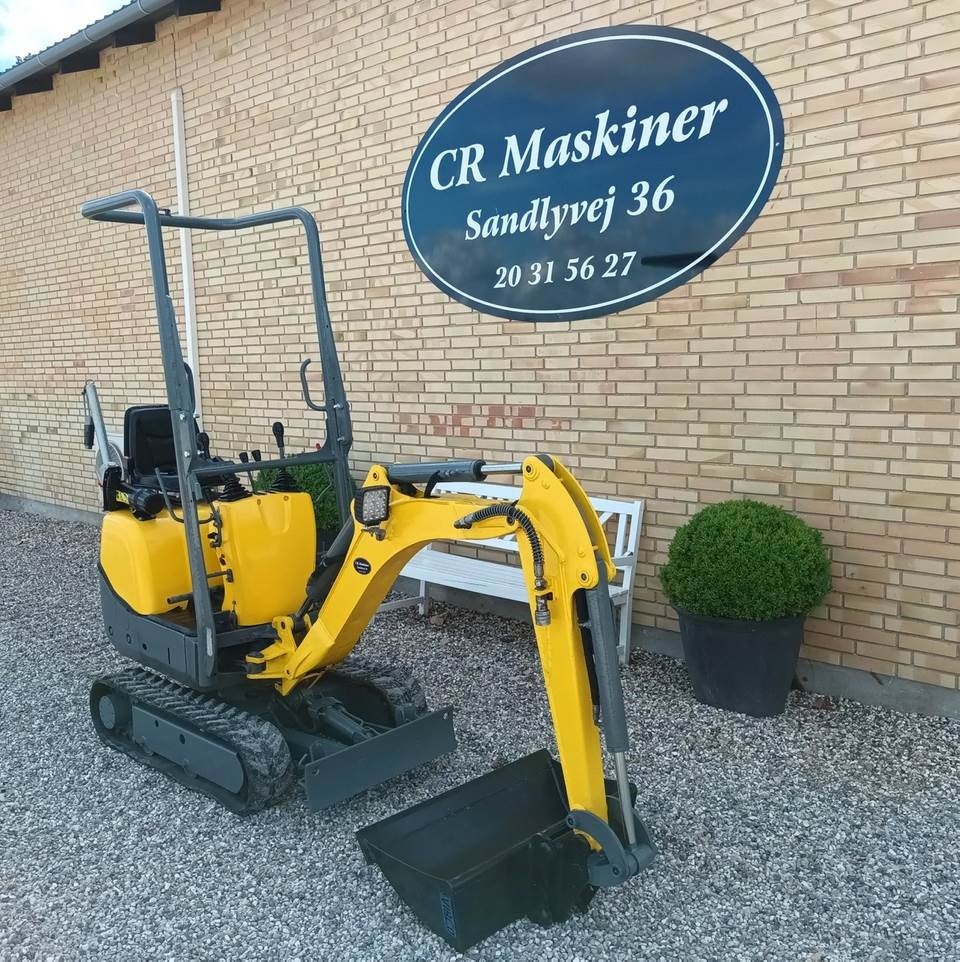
(592, 173)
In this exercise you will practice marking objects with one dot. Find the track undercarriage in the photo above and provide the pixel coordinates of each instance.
(355, 726)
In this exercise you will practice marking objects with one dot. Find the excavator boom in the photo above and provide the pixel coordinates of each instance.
(578, 816)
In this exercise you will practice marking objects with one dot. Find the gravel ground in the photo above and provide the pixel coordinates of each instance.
(827, 834)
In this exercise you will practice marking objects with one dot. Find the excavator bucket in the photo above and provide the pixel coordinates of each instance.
(486, 854)
(507, 844)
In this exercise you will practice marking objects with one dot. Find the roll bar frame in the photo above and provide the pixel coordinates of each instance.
(191, 468)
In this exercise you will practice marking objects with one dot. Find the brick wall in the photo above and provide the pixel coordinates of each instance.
(814, 366)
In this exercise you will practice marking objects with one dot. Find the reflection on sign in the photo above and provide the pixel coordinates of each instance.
(592, 173)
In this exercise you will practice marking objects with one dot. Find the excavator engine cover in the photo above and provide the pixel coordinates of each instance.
(481, 856)
(270, 548)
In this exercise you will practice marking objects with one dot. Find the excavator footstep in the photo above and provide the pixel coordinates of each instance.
(486, 854)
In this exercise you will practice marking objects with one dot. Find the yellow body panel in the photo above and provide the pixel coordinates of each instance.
(146, 561)
(270, 547)
(572, 541)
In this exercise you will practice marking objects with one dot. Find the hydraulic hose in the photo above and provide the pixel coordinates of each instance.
(513, 514)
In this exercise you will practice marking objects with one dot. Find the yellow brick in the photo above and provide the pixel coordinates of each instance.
(812, 366)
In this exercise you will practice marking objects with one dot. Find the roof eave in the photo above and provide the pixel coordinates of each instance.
(80, 51)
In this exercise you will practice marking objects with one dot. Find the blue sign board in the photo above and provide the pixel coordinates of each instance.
(592, 173)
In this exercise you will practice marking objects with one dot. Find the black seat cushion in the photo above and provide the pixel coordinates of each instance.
(148, 440)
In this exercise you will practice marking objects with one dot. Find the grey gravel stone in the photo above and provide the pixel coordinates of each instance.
(826, 835)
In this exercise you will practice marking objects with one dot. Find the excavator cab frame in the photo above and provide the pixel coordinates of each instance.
(194, 471)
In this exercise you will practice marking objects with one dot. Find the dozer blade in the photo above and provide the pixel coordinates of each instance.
(483, 855)
(353, 769)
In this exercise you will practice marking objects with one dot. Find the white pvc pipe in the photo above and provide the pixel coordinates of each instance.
(186, 243)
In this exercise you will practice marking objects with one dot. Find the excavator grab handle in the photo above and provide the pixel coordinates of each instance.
(305, 387)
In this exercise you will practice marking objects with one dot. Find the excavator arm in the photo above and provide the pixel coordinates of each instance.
(567, 567)
(531, 838)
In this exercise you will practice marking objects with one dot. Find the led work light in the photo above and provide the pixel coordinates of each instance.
(371, 506)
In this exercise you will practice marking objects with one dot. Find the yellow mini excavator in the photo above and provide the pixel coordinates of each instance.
(246, 681)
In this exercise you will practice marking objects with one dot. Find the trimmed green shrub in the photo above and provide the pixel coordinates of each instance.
(317, 481)
(747, 560)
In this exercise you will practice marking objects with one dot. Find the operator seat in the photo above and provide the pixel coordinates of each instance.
(148, 442)
(148, 445)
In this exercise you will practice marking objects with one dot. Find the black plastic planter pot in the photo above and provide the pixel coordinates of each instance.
(744, 666)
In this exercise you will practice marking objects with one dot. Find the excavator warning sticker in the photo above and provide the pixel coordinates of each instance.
(592, 173)
(362, 566)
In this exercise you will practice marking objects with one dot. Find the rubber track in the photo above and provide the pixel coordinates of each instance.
(263, 753)
(399, 688)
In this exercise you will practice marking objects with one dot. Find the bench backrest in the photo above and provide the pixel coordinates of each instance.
(624, 517)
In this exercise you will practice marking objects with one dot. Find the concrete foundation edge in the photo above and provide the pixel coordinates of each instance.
(59, 512)
(834, 680)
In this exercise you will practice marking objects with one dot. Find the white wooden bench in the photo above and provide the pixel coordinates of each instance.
(503, 578)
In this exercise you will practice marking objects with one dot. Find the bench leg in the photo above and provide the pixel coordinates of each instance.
(397, 604)
(625, 625)
(424, 606)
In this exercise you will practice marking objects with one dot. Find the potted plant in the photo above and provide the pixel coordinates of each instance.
(742, 576)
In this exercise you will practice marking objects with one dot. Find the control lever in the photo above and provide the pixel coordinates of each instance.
(255, 454)
(284, 480)
(278, 434)
(245, 459)
(203, 442)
